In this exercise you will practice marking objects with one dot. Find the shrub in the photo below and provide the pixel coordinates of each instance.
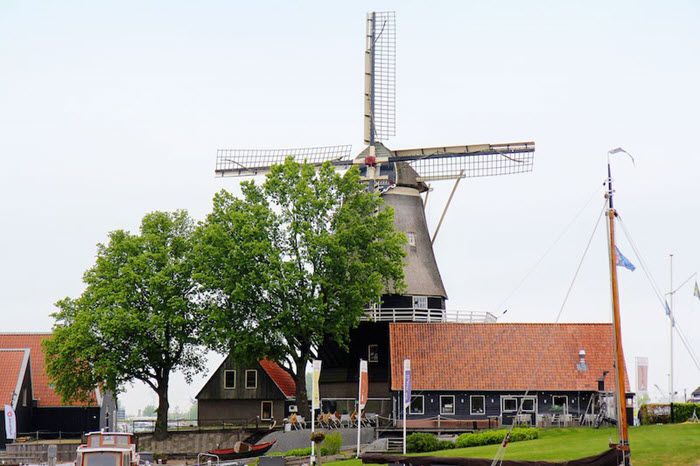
(421, 442)
(445, 445)
(332, 443)
(305, 451)
(492, 437)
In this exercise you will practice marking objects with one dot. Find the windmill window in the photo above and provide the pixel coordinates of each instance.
(477, 404)
(420, 302)
(230, 379)
(251, 379)
(411, 236)
(416, 406)
(447, 404)
(373, 353)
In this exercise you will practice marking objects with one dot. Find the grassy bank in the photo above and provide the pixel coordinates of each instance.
(659, 445)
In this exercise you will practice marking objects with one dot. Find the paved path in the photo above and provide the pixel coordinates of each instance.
(301, 438)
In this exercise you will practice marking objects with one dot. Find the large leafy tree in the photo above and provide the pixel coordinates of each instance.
(138, 319)
(293, 262)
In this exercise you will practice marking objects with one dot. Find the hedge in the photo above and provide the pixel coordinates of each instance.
(656, 413)
(422, 442)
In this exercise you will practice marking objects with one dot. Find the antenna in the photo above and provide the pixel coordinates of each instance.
(380, 76)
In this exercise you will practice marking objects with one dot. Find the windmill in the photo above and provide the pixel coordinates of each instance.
(400, 175)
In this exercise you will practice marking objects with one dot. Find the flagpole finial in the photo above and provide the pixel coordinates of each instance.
(618, 150)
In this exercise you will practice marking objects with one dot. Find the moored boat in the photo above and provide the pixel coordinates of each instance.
(108, 449)
(242, 450)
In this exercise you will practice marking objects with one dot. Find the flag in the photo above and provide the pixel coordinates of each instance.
(668, 308)
(10, 423)
(696, 292)
(622, 260)
(316, 399)
(407, 382)
(642, 374)
(364, 384)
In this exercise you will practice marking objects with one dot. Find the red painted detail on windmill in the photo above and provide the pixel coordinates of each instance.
(371, 160)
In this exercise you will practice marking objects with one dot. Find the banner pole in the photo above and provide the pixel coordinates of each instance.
(359, 410)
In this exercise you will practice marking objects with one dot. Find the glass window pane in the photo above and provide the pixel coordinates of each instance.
(101, 459)
(477, 405)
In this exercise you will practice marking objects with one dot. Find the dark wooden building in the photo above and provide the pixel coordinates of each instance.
(238, 392)
(477, 371)
(37, 405)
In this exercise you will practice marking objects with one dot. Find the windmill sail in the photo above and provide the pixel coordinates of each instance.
(380, 77)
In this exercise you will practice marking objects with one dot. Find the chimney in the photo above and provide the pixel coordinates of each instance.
(582, 366)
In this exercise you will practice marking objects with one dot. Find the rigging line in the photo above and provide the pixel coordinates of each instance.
(659, 296)
(501, 450)
(549, 249)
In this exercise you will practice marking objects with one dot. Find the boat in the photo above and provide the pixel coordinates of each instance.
(108, 449)
(618, 454)
(242, 450)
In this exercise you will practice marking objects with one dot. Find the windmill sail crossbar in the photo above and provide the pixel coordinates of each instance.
(251, 162)
(444, 163)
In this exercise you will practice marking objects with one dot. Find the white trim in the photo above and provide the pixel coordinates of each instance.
(518, 403)
(413, 397)
(246, 379)
(234, 379)
(272, 410)
(471, 408)
(565, 409)
(454, 407)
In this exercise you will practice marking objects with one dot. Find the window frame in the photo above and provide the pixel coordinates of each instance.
(471, 405)
(226, 387)
(504, 399)
(369, 353)
(418, 300)
(246, 379)
(565, 406)
(422, 410)
(262, 410)
(454, 407)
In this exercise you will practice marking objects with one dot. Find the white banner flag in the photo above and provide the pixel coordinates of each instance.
(10, 423)
(315, 395)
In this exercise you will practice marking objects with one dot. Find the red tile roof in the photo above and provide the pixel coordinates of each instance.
(502, 356)
(42, 386)
(11, 370)
(282, 379)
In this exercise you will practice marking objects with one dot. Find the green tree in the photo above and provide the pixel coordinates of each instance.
(293, 262)
(138, 318)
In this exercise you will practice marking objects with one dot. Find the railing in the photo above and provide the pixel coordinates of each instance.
(427, 315)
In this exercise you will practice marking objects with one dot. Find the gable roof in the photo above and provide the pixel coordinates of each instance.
(282, 379)
(502, 356)
(13, 366)
(41, 385)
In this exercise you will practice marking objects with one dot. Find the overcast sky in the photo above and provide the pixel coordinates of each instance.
(111, 110)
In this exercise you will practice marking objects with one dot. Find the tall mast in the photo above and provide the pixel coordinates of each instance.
(671, 323)
(623, 446)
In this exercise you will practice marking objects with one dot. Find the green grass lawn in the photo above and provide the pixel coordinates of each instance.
(662, 445)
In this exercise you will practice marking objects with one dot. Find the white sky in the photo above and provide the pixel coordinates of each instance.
(110, 110)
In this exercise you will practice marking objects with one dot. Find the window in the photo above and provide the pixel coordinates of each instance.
(478, 404)
(411, 237)
(373, 353)
(510, 405)
(229, 379)
(559, 403)
(251, 379)
(447, 404)
(420, 302)
(24, 397)
(266, 410)
(416, 406)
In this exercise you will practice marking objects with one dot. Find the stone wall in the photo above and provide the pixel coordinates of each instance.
(191, 443)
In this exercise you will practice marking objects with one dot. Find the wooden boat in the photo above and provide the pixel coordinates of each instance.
(242, 450)
(108, 449)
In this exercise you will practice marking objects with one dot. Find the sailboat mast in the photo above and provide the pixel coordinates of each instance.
(619, 355)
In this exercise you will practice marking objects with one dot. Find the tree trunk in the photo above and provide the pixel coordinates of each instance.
(161, 430)
(301, 395)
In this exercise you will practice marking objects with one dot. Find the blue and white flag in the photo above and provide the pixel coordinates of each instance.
(668, 308)
(623, 261)
(696, 291)
(407, 382)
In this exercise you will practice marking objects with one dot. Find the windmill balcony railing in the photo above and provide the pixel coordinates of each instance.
(427, 315)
